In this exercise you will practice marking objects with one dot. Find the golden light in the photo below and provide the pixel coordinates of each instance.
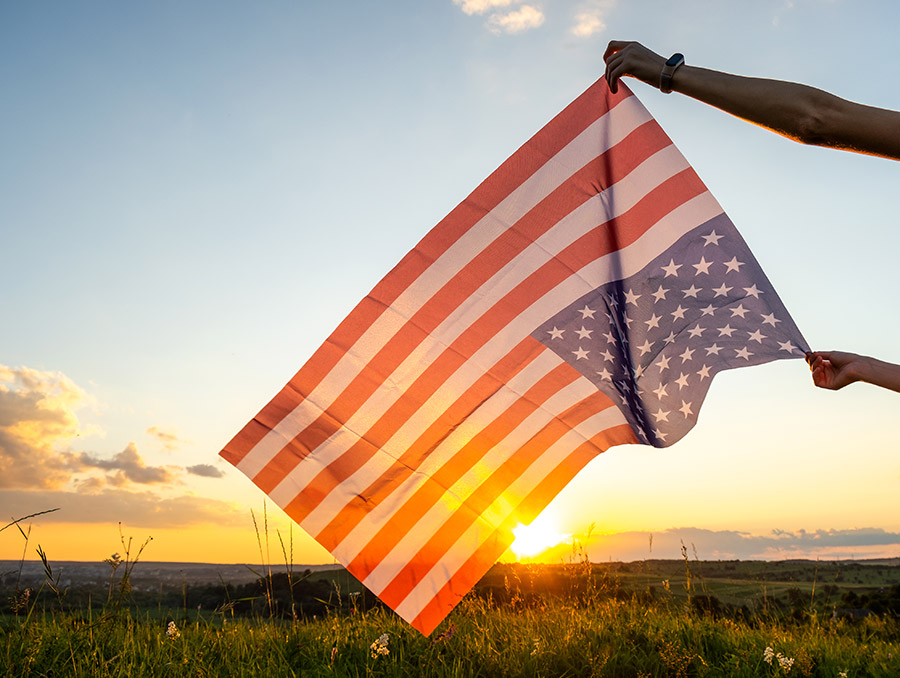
(537, 537)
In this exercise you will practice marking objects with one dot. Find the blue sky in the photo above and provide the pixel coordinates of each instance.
(192, 198)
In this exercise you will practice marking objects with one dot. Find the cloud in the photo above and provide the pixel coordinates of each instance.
(522, 19)
(137, 509)
(169, 440)
(37, 415)
(731, 545)
(471, 7)
(129, 466)
(206, 470)
(590, 18)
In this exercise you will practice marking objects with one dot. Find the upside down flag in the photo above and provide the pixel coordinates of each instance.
(583, 296)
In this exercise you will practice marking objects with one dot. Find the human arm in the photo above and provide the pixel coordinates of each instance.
(836, 369)
(799, 112)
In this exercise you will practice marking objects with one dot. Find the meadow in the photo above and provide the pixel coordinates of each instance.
(652, 618)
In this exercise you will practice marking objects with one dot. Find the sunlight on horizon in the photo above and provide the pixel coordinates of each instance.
(541, 535)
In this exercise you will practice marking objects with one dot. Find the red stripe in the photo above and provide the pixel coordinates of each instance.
(595, 102)
(499, 541)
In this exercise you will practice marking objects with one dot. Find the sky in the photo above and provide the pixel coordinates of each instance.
(194, 195)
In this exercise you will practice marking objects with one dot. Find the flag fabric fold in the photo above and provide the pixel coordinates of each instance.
(583, 296)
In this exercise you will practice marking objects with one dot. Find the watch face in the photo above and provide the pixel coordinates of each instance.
(675, 59)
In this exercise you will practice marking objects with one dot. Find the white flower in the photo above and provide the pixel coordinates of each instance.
(768, 655)
(172, 631)
(842, 674)
(785, 662)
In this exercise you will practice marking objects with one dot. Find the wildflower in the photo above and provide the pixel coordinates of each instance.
(768, 654)
(172, 631)
(537, 646)
(380, 646)
(842, 674)
(784, 662)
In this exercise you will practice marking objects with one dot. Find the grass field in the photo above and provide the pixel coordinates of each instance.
(638, 619)
(655, 618)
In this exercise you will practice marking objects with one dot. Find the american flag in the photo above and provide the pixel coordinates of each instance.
(583, 296)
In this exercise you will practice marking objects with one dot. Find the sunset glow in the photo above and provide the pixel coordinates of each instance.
(532, 540)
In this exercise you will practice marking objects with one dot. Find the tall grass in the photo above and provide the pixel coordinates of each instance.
(593, 628)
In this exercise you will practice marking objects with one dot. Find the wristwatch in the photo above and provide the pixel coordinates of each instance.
(668, 70)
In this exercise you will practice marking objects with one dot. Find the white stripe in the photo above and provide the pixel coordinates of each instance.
(468, 482)
(609, 204)
(490, 520)
(604, 133)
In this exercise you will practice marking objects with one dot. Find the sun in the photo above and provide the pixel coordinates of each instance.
(536, 538)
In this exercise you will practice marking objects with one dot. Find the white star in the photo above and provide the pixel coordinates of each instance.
(663, 363)
(623, 398)
(583, 333)
(613, 302)
(628, 322)
(770, 319)
(653, 322)
(638, 371)
(662, 415)
(757, 336)
(743, 353)
(660, 294)
(739, 310)
(661, 391)
(678, 313)
(704, 372)
(580, 354)
(715, 348)
(608, 357)
(605, 374)
(610, 337)
(753, 291)
(645, 347)
(555, 333)
(786, 346)
(722, 291)
(631, 297)
(726, 331)
(662, 436)
(687, 355)
(587, 312)
(685, 409)
(682, 381)
(691, 292)
(702, 266)
(696, 331)
(670, 338)
(733, 265)
(708, 310)
(672, 268)
(711, 238)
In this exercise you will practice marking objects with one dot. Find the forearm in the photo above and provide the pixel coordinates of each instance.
(799, 112)
(879, 373)
(804, 113)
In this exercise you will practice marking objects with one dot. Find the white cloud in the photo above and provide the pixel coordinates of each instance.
(522, 19)
(481, 6)
(170, 441)
(590, 18)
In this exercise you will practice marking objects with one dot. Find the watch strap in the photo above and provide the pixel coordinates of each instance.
(668, 70)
